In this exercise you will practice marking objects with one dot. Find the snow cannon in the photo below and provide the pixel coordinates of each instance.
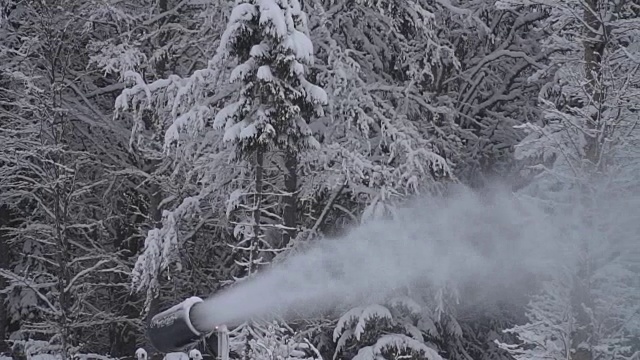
(172, 329)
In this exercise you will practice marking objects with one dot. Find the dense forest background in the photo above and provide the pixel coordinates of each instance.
(152, 150)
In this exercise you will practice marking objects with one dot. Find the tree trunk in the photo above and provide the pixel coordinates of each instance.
(291, 199)
(64, 277)
(594, 46)
(156, 194)
(582, 337)
(4, 264)
(156, 216)
(257, 208)
(581, 300)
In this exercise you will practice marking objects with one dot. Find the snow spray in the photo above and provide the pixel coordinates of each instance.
(488, 239)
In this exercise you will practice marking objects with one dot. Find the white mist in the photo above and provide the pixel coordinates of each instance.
(490, 240)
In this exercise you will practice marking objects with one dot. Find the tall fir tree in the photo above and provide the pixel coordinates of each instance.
(270, 41)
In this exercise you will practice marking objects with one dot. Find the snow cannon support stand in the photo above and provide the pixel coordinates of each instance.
(173, 331)
(223, 342)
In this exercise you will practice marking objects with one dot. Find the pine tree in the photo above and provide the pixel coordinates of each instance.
(388, 331)
(270, 43)
(270, 118)
(271, 340)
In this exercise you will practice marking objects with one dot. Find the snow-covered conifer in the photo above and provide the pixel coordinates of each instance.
(272, 109)
(394, 329)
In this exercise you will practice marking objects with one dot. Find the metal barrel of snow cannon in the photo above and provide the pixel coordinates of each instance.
(172, 329)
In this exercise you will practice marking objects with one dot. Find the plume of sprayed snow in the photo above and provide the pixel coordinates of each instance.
(491, 240)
